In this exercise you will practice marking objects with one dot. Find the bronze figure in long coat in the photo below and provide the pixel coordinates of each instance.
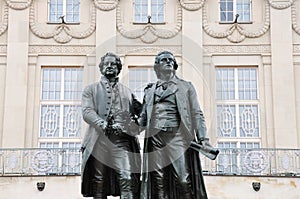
(170, 168)
(111, 157)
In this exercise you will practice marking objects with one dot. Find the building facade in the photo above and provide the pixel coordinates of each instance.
(242, 56)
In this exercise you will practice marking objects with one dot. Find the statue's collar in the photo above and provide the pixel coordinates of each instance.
(116, 80)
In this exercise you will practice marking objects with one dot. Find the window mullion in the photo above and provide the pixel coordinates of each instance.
(64, 8)
(61, 118)
(149, 8)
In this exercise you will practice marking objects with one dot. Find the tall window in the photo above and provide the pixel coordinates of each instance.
(230, 8)
(63, 10)
(60, 110)
(149, 8)
(237, 105)
(139, 77)
(237, 112)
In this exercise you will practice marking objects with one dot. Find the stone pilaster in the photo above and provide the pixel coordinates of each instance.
(16, 79)
(283, 82)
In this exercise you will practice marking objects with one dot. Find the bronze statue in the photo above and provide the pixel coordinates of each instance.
(111, 159)
(173, 120)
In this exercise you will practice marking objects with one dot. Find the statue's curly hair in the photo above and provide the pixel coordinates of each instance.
(110, 54)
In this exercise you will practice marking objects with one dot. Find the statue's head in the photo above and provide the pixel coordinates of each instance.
(162, 59)
(110, 64)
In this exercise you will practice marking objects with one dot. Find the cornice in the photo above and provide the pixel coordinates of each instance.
(18, 4)
(106, 5)
(4, 23)
(148, 33)
(192, 5)
(236, 32)
(281, 4)
(61, 33)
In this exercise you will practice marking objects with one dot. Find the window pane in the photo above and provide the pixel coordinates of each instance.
(139, 78)
(55, 10)
(73, 83)
(226, 121)
(249, 120)
(72, 121)
(243, 9)
(141, 11)
(71, 158)
(50, 115)
(227, 160)
(49, 145)
(225, 84)
(72, 11)
(51, 84)
(247, 79)
(157, 11)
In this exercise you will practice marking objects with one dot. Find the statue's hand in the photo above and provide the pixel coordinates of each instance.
(204, 141)
(104, 125)
(133, 128)
(118, 128)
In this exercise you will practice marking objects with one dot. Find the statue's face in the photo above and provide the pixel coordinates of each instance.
(166, 62)
(110, 68)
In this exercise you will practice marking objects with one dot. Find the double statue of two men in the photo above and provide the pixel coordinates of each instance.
(172, 119)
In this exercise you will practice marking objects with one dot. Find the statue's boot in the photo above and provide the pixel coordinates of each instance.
(185, 191)
(160, 195)
(98, 190)
(126, 189)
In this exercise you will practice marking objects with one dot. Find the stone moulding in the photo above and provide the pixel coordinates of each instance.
(295, 26)
(236, 32)
(4, 23)
(129, 50)
(148, 33)
(237, 49)
(62, 50)
(18, 4)
(281, 5)
(192, 5)
(106, 5)
(61, 33)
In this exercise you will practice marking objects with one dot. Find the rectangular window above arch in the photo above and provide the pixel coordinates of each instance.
(149, 11)
(230, 9)
(63, 11)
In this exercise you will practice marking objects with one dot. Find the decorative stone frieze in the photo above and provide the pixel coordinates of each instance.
(3, 49)
(192, 5)
(4, 23)
(236, 32)
(240, 49)
(149, 33)
(128, 50)
(281, 4)
(62, 33)
(62, 50)
(296, 48)
(18, 4)
(106, 5)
